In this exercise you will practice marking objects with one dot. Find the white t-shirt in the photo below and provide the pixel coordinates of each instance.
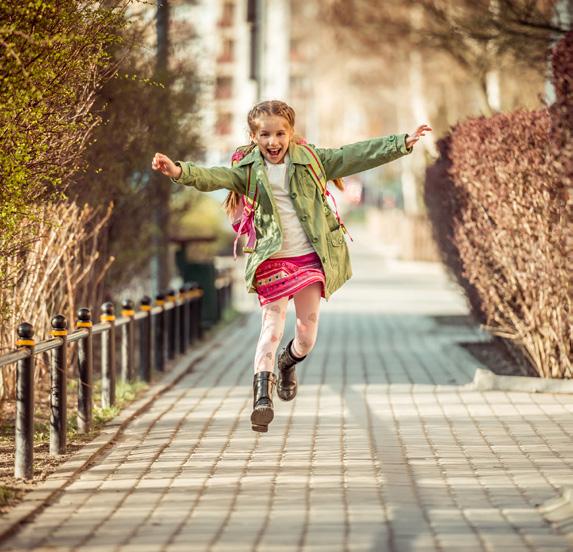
(295, 241)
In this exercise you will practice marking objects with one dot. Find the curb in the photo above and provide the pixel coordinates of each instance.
(484, 380)
(36, 499)
(559, 512)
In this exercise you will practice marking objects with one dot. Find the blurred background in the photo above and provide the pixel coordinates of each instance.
(357, 69)
(89, 91)
(85, 219)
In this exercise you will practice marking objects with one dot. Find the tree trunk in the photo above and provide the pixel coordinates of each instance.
(160, 266)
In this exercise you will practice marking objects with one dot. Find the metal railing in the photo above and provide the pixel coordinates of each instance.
(164, 330)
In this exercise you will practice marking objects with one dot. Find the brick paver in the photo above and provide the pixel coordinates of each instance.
(386, 447)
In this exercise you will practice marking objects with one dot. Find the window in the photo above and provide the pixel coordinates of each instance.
(227, 50)
(224, 123)
(223, 88)
(296, 50)
(227, 15)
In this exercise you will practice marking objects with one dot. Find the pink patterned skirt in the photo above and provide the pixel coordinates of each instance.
(277, 278)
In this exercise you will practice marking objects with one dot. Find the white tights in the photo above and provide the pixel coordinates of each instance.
(307, 304)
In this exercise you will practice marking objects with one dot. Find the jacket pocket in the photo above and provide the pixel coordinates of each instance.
(330, 217)
(337, 237)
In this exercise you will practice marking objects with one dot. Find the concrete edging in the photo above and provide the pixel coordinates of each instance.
(485, 380)
(559, 511)
(36, 499)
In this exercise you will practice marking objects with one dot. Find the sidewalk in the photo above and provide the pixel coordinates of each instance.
(385, 447)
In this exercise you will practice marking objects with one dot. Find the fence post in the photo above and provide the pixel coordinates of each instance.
(219, 300)
(108, 356)
(179, 299)
(23, 466)
(145, 341)
(191, 312)
(184, 319)
(127, 341)
(160, 333)
(199, 309)
(229, 292)
(224, 297)
(85, 370)
(172, 325)
(58, 388)
(196, 300)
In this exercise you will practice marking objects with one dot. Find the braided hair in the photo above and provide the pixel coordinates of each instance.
(269, 107)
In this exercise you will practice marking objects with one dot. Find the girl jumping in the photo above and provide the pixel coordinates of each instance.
(296, 244)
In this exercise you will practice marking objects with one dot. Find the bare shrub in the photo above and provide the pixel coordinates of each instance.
(501, 223)
(498, 199)
(53, 274)
(511, 233)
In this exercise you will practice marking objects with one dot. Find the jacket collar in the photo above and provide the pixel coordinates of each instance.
(250, 158)
(298, 155)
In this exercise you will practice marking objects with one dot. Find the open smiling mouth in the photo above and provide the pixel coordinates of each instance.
(274, 152)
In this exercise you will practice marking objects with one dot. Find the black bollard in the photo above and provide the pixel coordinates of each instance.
(172, 325)
(184, 319)
(127, 341)
(145, 341)
(160, 333)
(108, 356)
(195, 312)
(23, 465)
(199, 315)
(191, 311)
(85, 370)
(58, 387)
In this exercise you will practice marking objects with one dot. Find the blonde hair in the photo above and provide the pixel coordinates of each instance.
(269, 107)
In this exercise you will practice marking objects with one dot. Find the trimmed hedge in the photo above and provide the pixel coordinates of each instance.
(497, 199)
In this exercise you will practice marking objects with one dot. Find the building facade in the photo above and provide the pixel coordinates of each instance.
(242, 52)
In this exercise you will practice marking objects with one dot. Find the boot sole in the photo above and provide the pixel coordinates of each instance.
(261, 417)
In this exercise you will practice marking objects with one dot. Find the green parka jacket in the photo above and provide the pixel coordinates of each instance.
(315, 215)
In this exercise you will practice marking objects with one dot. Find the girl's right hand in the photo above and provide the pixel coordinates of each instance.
(165, 166)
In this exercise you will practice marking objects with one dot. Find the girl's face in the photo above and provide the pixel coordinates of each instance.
(273, 136)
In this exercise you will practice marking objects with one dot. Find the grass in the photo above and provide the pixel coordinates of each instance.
(7, 495)
(125, 393)
(229, 315)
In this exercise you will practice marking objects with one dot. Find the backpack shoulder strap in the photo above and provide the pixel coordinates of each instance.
(251, 192)
(251, 195)
(246, 226)
(316, 168)
(319, 177)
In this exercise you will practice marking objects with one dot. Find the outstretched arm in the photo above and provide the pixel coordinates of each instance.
(201, 178)
(361, 156)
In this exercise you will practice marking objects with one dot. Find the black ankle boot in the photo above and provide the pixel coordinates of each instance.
(263, 387)
(287, 384)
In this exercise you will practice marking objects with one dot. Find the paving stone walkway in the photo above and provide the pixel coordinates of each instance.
(386, 447)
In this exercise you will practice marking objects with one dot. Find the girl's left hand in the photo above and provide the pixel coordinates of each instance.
(411, 139)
